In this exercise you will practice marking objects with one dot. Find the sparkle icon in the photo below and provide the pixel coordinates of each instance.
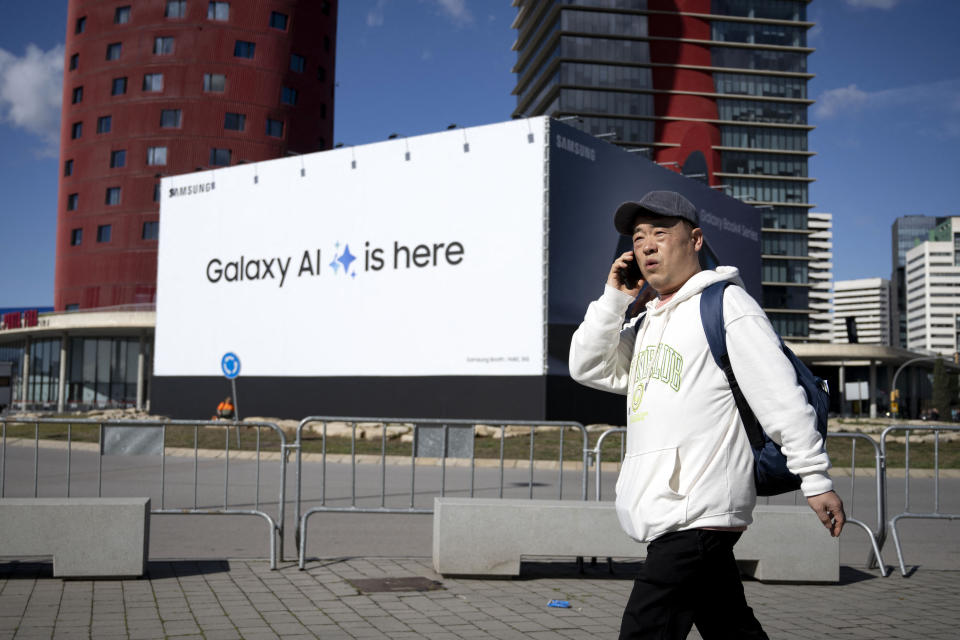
(346, 258)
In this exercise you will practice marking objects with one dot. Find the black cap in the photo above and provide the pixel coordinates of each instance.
(658, 203)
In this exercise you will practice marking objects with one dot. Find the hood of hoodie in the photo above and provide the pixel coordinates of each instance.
(697, 283)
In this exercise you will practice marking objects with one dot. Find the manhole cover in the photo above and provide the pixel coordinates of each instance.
(381, 585)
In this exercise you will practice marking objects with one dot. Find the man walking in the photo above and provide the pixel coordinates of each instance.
(686, 484)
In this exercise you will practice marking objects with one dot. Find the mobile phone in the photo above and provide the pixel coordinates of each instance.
(630, 275)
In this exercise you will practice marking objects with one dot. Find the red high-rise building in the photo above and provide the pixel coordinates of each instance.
(163, 87)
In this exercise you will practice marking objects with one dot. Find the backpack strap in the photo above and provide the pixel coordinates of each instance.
(711, 316)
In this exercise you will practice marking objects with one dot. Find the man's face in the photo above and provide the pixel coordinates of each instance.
(666, 250)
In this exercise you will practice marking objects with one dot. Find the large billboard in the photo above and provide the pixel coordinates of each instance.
(411, 257)
(435, 276)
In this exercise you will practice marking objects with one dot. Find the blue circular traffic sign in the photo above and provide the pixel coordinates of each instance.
(230, 364)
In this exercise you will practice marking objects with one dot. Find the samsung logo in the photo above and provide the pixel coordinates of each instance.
(576, 148)
(189, 190)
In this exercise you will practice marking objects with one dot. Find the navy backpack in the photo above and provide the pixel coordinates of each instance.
(770, 465)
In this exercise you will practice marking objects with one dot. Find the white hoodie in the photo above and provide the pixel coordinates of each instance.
(688, 462)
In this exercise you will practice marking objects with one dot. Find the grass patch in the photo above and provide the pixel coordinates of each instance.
(921, 454)
(547, 444)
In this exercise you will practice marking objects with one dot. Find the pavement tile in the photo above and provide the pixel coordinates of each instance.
(244, 599)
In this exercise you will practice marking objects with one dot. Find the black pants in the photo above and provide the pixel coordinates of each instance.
(690, 577)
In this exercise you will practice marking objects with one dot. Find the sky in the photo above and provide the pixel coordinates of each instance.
(887, 111)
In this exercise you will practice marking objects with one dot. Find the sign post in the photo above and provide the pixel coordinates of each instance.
(230, 365)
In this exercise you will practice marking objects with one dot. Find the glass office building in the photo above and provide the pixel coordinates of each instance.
(99, 371)
(716, 89)
(906, 233)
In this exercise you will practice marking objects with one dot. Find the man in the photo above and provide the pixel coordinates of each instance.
(225, 409)
(686, 484)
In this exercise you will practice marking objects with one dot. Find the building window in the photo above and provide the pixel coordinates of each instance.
(151, 230)
(297, 63)
(234, 121)
(288, 96)
(170, 118)
(103, 124)
(163, 45)
(76, 130)
(243, 49)
(81, 25)
(76, 237)
(72, 307)
(112, 196)
(119, 87)
(218, 11)
(68, 168)
(176, 9)
(77, 95)
(121, 15)
(323, 110)
(118, 158)
(325, 7)
(153, 82)
(74, 61)
(156, 192)
(156, 156)
(103, 233)
(275, 128)
(321, 74)
(214, 82)
(220, 157)
(278, 20)
(73, 200)
(113, 50)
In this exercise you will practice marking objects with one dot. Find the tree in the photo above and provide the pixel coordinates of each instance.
(941, 390)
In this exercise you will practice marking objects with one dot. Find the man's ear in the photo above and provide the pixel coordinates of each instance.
(696, 236)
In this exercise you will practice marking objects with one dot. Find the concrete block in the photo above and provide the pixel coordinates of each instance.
(479, 536)
(788, 544)
(87, 537)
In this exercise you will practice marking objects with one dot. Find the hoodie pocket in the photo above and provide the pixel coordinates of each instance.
(647, 499)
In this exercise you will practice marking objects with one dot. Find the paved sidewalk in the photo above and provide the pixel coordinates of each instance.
(244, 599)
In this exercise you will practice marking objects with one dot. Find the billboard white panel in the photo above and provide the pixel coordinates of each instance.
(413, 257)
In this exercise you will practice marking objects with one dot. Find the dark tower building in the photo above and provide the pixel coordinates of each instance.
(716, 89)
(162, 87)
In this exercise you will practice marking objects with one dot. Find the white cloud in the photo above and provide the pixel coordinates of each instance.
(31, 91)
(937, 104)
(837, 101)
(375, 15)
(456, 10)
(873, 4)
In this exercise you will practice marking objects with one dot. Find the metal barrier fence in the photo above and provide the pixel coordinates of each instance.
(596, 456)
(432, 439)
(876, 537)
(432, 444)
(935, 513)
(149, 438)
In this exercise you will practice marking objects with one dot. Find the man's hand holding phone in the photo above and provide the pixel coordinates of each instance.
(625, 274)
